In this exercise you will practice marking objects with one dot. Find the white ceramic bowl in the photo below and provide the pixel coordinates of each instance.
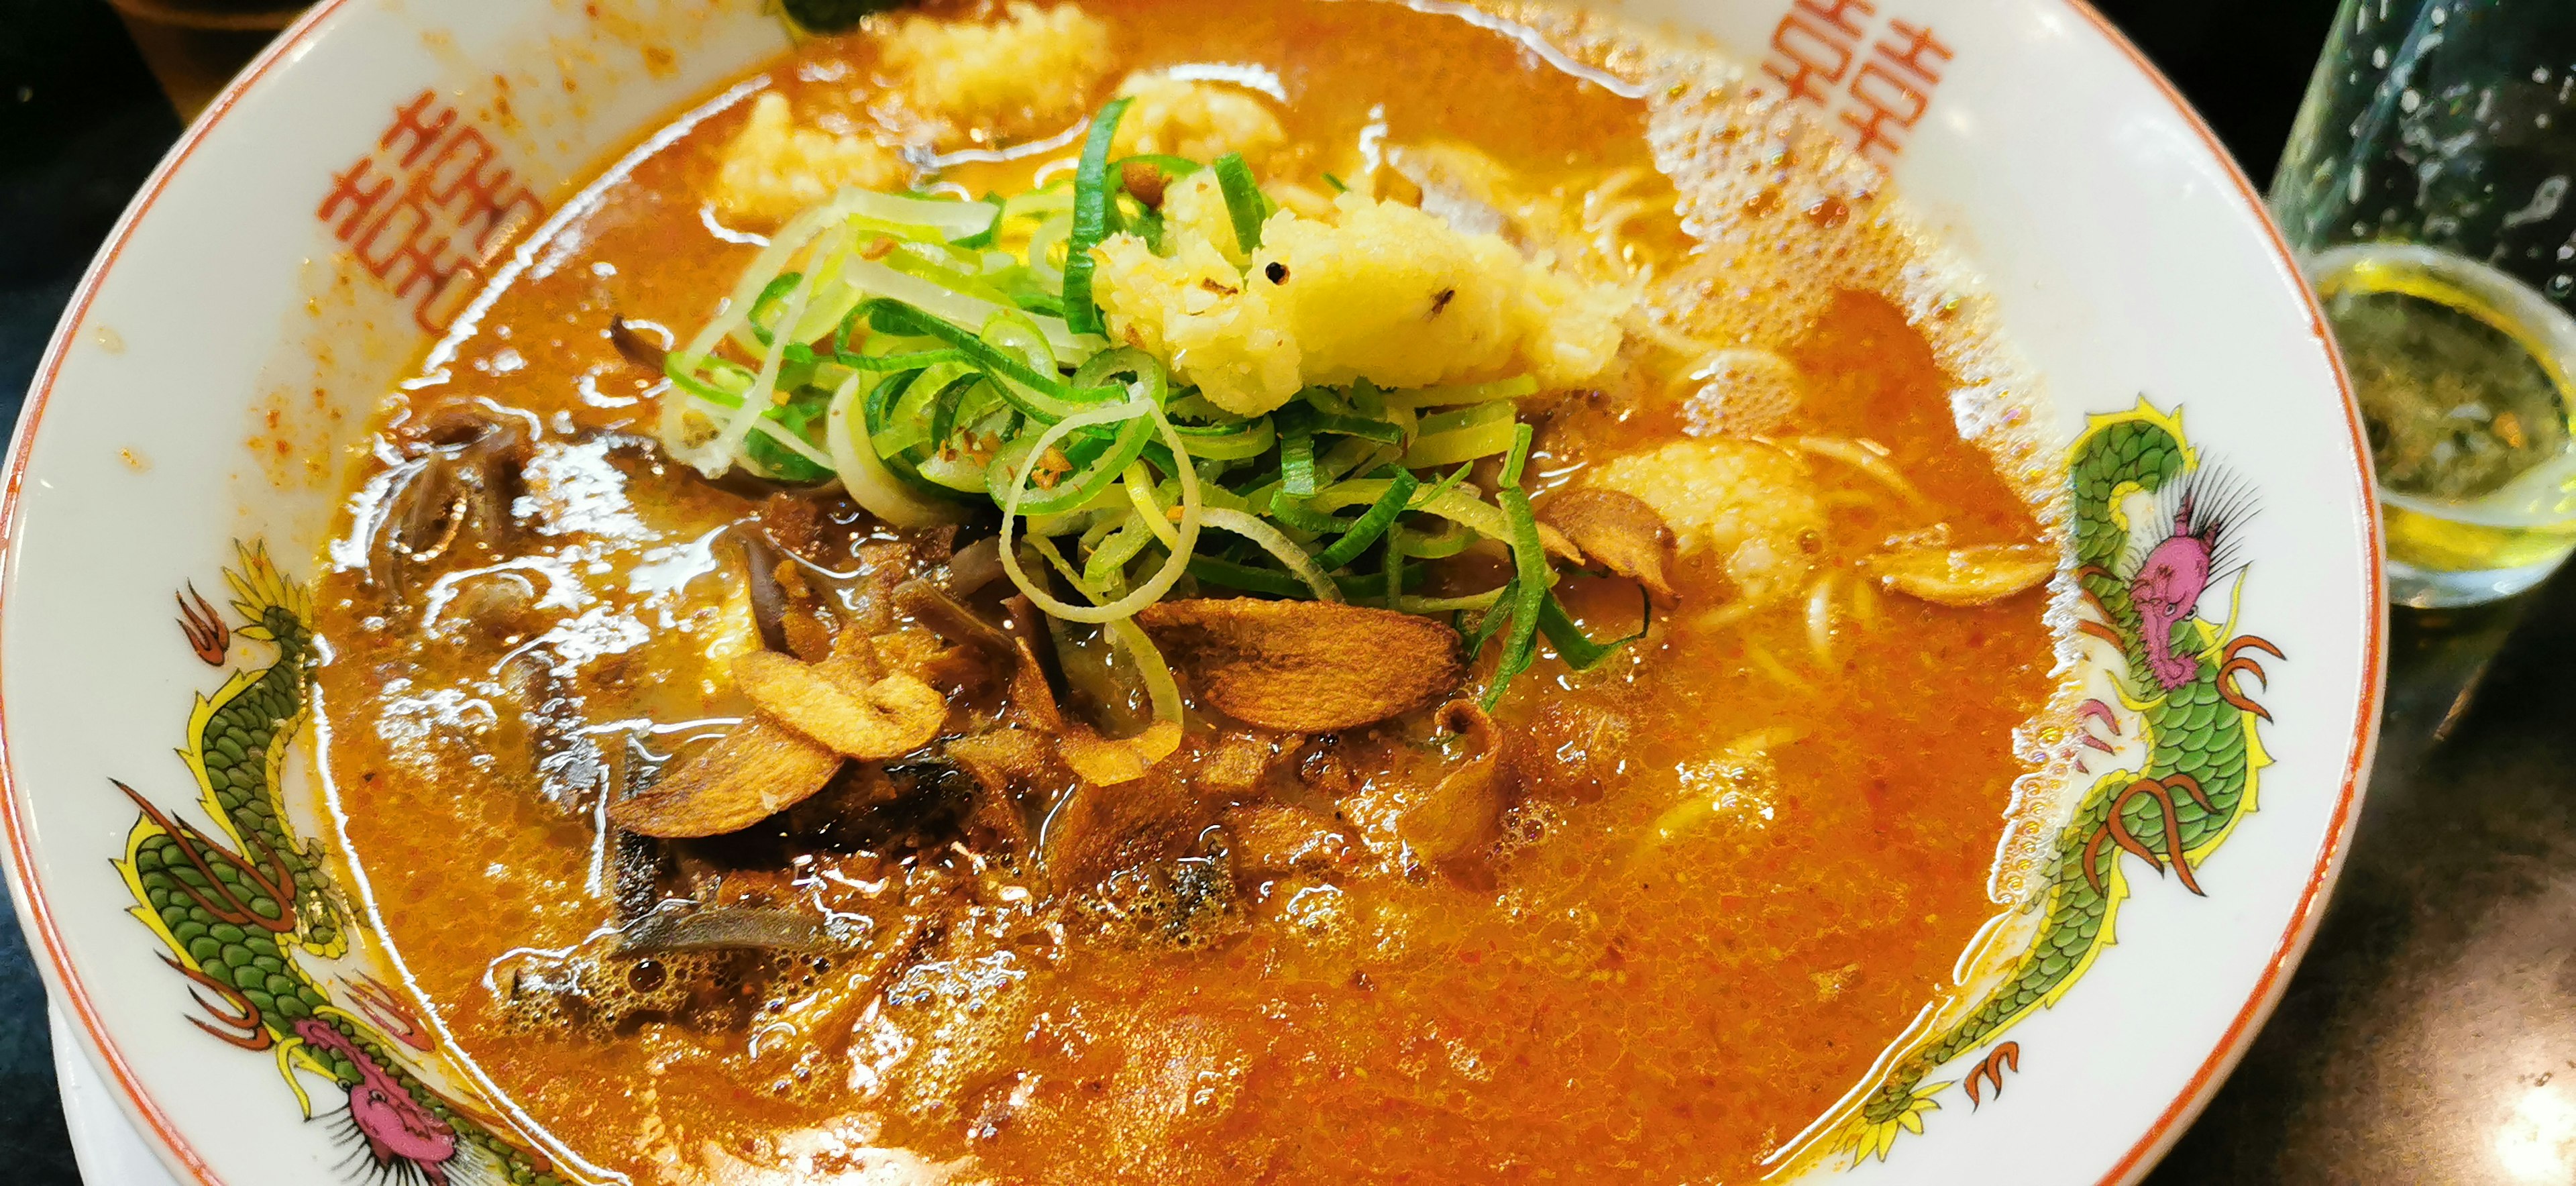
(214, 368)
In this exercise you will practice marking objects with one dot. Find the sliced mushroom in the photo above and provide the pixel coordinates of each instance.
(761, 565)
(1617, 531)
(972, 567)
(1979, 575)
(634, 347)
(1307, 666)
(756, 771)
(871, 722)
(938, 609)
(1463, 813)
(457, 490)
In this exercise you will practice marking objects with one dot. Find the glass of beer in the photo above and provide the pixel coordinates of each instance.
(2426, 188)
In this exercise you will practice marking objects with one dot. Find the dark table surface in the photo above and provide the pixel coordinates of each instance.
(2418, 1041)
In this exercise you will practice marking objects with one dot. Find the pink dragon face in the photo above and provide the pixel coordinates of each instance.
(396, 1127)
(2167, 587)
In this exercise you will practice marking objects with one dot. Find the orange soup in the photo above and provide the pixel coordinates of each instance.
(761, 822)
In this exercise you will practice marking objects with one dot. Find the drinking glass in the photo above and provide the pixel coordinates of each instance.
(2425, 187)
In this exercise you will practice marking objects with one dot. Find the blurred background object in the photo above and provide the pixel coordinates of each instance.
(195, 46)
(82, 122)
(2425, 186)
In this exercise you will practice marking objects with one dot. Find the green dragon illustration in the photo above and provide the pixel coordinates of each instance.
(2177, 674)
(239, 910)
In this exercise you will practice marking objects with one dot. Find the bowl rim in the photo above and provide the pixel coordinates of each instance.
(35, 915)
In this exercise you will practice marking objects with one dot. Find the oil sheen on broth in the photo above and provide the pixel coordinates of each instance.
(1732, 866)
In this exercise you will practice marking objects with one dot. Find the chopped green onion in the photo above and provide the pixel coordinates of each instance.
(1370, 526)
(715, 456)
(1243, 200)
(1090, 219)
(1519, 458)
(1449, 605)
(1101, 373)
(1352, 455)
(778, 444)
(943, 408)
(1084, 483)
(1297, 458)
(1496, 614)
(865, 475)
(1483, 518)
(799, 233)
(1433, 450)
(1530, 573)
(960, 309)
(1041, 396)
(984, 238)
(1229, 442)
(907, 263)
(1451, 539)
(1353, 426)
(1161, 690)
(1140, 491)
(1109, 560)
(1491, 412)
(1280, 547)
(1055, 199)
(1394, 569)
(1145, 223)
(948, 218)
(1472, 393)
(768, 300)
(1210, 570)
(1155, 586)
(1575, 647)
(1293, 511)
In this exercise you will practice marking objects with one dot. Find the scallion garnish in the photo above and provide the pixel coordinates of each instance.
(1243, 201)
(1381, 515)
(1090, 218)
(943, 359)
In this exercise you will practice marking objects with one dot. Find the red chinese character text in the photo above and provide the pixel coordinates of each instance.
(1887, 98)
(1918, 44)
(1812, 46)
(429, 209)
(413, 123)
(360, 189)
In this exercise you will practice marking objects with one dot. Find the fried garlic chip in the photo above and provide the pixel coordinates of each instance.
(1307, 666)
(1463, 813)
(758, 770)
(871, 722)
(1617, 531)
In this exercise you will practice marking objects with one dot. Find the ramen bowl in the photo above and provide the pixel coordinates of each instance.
(172, 486)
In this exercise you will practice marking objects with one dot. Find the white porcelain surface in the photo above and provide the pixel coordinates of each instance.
(2124, 253)
(109, 1149)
